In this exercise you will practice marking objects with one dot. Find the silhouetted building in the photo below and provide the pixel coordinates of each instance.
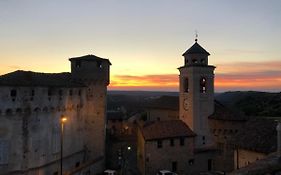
(31, 106)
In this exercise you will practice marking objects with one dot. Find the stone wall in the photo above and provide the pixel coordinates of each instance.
(151, 158)
(162, 114)
(30, 125)
(246, 157)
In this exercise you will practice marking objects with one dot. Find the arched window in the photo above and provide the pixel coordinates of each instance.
(185, 85)
(203, 83)
(194, 61)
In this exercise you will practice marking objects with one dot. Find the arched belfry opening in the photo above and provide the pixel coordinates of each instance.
(186, 85)
(203, 83)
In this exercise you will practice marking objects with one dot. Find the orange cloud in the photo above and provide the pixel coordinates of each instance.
(261, 76)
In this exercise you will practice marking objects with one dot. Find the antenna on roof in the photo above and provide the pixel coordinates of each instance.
(196, 35)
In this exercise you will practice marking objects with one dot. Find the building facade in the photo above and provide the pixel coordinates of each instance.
(31, 106)
(165, 145)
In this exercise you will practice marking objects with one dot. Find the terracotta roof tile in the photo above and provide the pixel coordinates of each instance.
(166, 129)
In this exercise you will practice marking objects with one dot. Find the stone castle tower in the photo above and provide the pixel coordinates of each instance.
(197, 93)
(31, 107)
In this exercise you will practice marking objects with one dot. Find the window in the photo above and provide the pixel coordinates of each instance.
(185, 85)
(202, 60)
(159, 144)
(78, 63)
(70, 92)
(77, 164)
(182, 141)
(210, 163)
(194, 61)
(79, 92)
(203, 85)
(49, 92)
(32, 93)
(99, 64)
(174, 166)
(13, 93)
(191, 161)
(203, 139)
(172, 142)
(4, 150)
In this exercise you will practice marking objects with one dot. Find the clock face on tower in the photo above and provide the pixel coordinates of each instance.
(185, 104)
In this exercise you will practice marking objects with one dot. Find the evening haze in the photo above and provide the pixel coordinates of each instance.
(144, 39)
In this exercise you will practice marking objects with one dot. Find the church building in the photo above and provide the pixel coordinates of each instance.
(195, 151)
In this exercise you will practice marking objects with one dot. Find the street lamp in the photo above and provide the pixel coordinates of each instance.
(63, 120)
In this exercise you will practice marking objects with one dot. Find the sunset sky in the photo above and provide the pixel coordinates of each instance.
(144, 39)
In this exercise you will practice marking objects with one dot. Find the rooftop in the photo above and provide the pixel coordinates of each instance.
(270, 165)
(224, 113)
(166, 129)
(195, 49)
(29, 78)
(90, 58)
(258, 135)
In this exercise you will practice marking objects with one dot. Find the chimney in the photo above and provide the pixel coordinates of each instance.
(278, 128)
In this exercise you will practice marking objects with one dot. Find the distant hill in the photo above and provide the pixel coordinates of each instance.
(251, 103)
(259, 104)
(133, 101)
(143, 93)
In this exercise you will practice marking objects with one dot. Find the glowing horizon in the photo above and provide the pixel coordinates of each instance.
(259, 76)
(144, 39)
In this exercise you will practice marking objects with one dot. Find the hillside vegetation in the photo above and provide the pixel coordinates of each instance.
(261, 104)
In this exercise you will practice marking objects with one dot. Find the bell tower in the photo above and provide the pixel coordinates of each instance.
(197, 93)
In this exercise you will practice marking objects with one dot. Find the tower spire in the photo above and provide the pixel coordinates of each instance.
(196, 36)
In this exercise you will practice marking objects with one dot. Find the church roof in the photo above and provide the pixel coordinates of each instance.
(166, 129)
(221, 112)
(196, 49)
(89, 58)
(29, 78)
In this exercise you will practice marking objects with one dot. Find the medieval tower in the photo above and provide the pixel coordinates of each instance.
(197, 93)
